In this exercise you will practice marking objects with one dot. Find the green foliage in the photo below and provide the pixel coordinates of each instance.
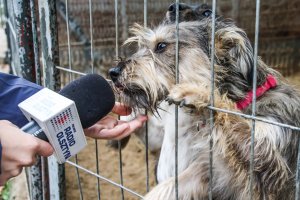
(5, 194)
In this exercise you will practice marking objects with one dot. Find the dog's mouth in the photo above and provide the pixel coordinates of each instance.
(119, 86)
(137, 98)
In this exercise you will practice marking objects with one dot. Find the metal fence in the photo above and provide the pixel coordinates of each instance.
(34, 54)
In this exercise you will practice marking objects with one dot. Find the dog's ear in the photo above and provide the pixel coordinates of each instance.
(141, 35)
(233, 48)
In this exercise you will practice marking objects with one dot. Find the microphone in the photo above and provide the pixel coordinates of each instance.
(59, 118)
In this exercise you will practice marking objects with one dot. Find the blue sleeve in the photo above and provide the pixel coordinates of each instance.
(14, 90)
(0, 156)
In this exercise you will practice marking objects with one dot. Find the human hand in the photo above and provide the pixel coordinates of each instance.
(19, 149)
(113, 129)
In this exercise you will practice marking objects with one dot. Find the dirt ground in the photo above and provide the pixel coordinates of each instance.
(134, 168)
(134, 171)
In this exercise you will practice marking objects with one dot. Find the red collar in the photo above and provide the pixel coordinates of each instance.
(270, 83)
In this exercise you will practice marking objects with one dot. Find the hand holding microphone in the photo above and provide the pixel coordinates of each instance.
(60, 118)
(18, 150)
(94, 100)
(55, 117)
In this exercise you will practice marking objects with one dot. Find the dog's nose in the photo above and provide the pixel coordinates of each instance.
(182, 7)
(114, 73)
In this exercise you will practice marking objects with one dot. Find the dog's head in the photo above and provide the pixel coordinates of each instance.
(146, 77)
(188, 12)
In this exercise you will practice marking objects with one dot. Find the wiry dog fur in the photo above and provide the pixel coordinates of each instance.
(148, 77)
(155, 138)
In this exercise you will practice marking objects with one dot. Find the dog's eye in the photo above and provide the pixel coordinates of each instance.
(160, 47)
(207, 13)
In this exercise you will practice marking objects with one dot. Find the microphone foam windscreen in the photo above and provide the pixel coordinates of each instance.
(93, 97)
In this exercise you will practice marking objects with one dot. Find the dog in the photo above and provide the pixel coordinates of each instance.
(187, 12)
(155, 137)
(147, 78)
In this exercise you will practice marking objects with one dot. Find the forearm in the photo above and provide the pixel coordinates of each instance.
(13, 91)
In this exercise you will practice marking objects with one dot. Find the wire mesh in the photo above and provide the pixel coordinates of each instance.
(254, 98)
(146, 125)
(176, 106)
(211, 107)
(70, 79)
(212, 99)
(68, 69)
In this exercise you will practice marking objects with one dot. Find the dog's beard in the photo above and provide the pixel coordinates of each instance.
(139, 98)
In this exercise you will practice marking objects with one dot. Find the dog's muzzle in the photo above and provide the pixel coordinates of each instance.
(115, 73)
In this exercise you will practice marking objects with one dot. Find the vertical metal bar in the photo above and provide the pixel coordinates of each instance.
(212, 99)
(25, 67)
(68, 39)
(121, 169)
(124, 21)
(35, 43)
(145, 12)
(53, 173)
(235, 10)
(97, 169)
(43, 166)
(70, 78)
(49, 44)
(23, 29)
(1, 13)
(147, 155)
(117, 55)
(92, 66)
(146, 135)
(78, 178)
(91, 36)
(297, 195)
(176, 107)
(254, 97)
(117, 28)
(8, 56)
(34, 180)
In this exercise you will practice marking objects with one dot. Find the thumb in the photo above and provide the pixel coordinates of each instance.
(44, 148)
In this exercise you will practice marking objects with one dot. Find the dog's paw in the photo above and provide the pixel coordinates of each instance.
(189, 95)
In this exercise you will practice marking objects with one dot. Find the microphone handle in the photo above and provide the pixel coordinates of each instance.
(34, 129)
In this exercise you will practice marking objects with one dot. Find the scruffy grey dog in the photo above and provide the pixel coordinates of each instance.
(147, 78)
(155, 137)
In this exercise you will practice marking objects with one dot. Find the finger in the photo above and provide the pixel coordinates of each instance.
(112, 133)
(121, 130)
(133, 125)
(108, 122)
(44, 148)
(121, 109)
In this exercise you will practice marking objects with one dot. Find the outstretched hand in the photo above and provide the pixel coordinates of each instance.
(111, 128)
